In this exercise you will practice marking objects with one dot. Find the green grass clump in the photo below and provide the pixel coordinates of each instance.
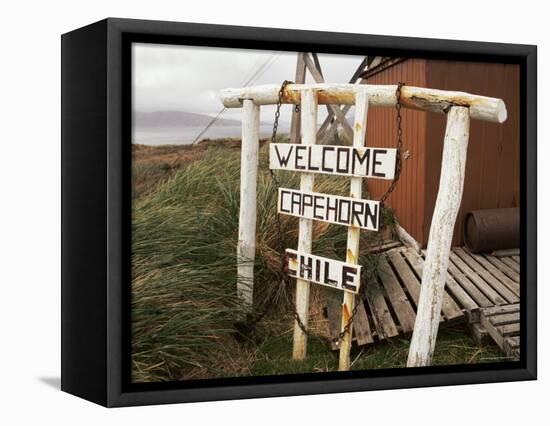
(453, 346)
(185, 311)
(184, 238)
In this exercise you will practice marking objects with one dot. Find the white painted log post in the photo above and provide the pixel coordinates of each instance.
(246, 246)
(447, 205)
(352, 252)
(309, 135)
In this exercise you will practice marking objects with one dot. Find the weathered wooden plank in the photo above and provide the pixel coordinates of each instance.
(495, 297)
(361, 326)
(476, 294)
(504, 319)
(377, 163)
(508, 329)
(442, 101)
(309, 133)
(504, 309)
(493, 332)
(401, 305)
(511, 284)
(505, 269)
(383, 321)
(517, 259)
(504, 291)
(511, 263)
(503, 324)
(463, 298)
(408, 277)
(448, 306)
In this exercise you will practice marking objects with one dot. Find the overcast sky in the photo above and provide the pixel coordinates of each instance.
(185, 78)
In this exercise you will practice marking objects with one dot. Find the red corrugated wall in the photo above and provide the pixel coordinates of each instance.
(492, 168)
(408, 198)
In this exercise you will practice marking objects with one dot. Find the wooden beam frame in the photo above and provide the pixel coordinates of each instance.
(420, 98)
(460, 108)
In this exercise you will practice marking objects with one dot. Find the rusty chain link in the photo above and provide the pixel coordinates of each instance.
(377, 250)
(399, 145)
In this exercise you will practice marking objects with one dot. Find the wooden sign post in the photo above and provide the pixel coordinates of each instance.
(352, 252)
(356, 162)
(309, 133)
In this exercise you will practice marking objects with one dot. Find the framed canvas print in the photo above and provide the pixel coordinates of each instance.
(253, 212)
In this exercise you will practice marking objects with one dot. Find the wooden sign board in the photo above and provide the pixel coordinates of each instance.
(364, 162)
(324, 271)
(364, 214)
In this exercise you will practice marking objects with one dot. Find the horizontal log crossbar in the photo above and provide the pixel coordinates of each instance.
(420, 98)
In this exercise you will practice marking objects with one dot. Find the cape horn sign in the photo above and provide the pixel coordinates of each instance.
(346, 211)
(334, 160)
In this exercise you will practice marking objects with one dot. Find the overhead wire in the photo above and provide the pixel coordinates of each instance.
(251, 80)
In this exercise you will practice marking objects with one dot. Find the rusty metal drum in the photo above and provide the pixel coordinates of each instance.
(492, 229)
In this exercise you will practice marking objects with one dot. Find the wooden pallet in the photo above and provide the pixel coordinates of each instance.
(502, 324)
(474, 282)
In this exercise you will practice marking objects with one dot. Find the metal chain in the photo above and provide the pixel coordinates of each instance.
(373, 271)
(399, 145)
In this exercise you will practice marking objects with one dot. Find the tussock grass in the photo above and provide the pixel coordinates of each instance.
(184, 237)
(185, 312)
(453, 346)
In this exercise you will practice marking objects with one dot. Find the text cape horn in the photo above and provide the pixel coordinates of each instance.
(347, 211)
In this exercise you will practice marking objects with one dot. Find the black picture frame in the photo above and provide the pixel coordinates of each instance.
(96, 125)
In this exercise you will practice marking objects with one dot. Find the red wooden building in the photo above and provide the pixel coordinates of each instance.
(492, 169)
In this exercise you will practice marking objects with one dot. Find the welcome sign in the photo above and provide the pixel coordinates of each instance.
(363, 162)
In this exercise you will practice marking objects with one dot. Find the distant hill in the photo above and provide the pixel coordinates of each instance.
(177, 119)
